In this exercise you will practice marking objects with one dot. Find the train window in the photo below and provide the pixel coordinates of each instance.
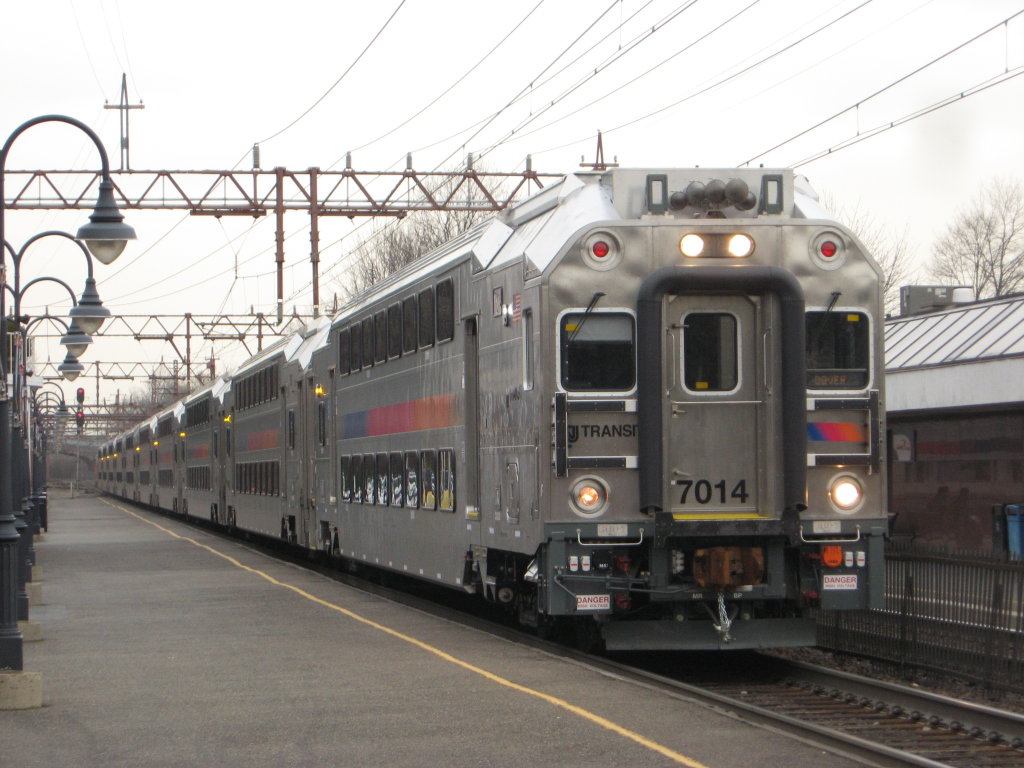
(426, 317)
(355, 348)
(446, 479)
(369, 478)
(598, 351)
(445, 310)
(395, 330)
(344, 352)
(367, 342)
(346, 488)
(380, 336)
(412, 476)
(383, 487)
(397, 480)
(428, 480)
(838, 351)
(528, 370)
(710, 352)
(409, 311)
(356, 469)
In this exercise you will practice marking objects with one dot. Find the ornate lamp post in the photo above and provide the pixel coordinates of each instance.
(105, 235)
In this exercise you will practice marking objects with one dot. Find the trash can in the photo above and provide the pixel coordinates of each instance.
(1014, 540)
(999, 529)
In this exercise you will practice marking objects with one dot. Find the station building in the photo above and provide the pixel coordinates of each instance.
(955, 407)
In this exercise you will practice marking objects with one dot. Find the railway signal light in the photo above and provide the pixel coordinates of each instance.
(80, 395)
(80, 420)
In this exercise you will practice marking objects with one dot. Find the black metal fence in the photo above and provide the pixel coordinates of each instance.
(959, 612)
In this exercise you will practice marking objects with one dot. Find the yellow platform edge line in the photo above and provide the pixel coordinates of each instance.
(553, 700)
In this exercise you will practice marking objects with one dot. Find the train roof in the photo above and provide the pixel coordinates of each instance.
(538, 227)
(276, 348)
(304, 343)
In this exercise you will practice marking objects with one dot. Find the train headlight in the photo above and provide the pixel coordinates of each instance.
(741, 245)
(846, 493)
(589, 496)
(716, 245)
(691, 245)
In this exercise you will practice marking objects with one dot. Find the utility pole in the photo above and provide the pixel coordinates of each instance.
(124, 106)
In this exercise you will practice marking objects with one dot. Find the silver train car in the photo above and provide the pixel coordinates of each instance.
(646, 406)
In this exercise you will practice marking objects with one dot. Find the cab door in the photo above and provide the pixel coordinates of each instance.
(719, 459)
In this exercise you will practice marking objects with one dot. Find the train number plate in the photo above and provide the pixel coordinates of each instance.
(593, 602)
(839, 581)
(610, 530)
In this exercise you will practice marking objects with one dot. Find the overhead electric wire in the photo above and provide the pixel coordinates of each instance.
(110, 37)
(124, 44)
(707, 88)
(137, 256)
(975, 89)
(183, 269)
(451, 87)
(85, 47)
(516, 131)
(493, 116)
(336, 83)
(891, 85)
(568, 48)
(533, 86)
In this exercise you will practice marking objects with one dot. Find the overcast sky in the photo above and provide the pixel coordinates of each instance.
(670, 83)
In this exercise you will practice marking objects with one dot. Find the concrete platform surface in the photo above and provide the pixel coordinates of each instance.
(166, 646)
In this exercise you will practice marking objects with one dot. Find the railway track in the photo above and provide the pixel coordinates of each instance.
(875, 722)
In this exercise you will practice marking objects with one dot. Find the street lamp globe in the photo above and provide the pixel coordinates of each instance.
(76, 340)
(70, 368)
(106, 234)
(89, 312)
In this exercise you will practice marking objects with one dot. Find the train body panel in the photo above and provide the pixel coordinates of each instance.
(647, 403)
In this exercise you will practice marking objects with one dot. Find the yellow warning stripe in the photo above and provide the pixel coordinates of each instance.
(553, 700)
(718, 516)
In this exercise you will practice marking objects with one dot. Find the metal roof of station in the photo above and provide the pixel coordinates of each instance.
(982, 330)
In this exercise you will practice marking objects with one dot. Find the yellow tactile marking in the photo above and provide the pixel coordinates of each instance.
(553, 700)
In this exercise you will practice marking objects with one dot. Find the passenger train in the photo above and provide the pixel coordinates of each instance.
(646, 405)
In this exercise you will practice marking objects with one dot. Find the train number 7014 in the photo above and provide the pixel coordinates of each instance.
(706, 492)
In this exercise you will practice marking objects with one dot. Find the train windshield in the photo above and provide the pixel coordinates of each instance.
(598, 351)
(837, 350)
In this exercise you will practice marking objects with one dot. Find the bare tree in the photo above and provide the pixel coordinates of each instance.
(398, 242)
(889, 248)
(984, 245)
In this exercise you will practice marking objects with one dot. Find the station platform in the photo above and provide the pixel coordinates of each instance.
(164, 645)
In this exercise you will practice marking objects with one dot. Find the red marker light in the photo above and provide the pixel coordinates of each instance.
(828, 249)
(600, 249)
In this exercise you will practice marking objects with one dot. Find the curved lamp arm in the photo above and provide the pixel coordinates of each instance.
(18, 255)
(33, 281)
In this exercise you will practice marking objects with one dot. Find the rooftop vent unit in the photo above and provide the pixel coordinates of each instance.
(919, 299)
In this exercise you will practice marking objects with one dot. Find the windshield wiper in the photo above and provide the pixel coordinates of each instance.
(586, 313)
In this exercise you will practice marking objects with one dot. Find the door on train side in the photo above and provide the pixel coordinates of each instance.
(719, 409)
(306, 524)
